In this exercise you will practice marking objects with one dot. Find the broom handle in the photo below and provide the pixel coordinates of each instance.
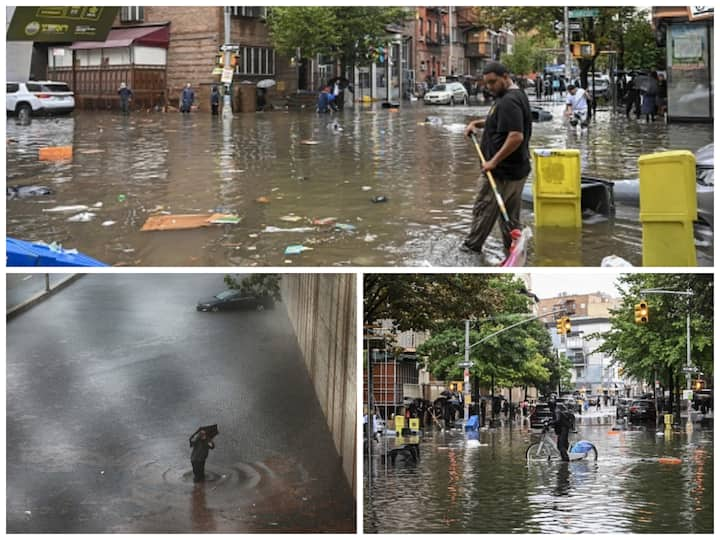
(493, 185)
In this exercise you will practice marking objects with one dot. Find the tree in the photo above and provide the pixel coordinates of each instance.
(424, 301)
(529, 54)
(343, 33)
(622, 29)
(256, 284)
(659, 347)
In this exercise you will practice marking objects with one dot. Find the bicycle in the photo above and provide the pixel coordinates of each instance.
(546, 449)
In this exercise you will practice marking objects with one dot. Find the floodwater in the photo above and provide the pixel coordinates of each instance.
(487, 487)
(125, 169)
(108, 378)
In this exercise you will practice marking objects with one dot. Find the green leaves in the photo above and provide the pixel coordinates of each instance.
(256, 284)
(660, 345)
(344, 33)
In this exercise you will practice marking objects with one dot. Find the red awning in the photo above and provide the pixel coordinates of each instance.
(151, 36)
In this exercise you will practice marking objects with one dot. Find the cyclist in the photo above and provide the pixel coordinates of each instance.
(564, 422)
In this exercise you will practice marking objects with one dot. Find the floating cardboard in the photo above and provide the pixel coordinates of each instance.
(182, 221)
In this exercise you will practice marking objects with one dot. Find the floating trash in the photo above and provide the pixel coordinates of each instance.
(296, 249)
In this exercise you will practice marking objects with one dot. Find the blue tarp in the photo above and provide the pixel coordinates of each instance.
(21, 253)
(473, 423)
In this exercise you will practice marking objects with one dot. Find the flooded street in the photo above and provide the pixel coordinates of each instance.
(462, 486)
(107, 380)
(125, 169)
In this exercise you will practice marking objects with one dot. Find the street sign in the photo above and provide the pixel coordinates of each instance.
(227, 76)
(690, 369)
(688, 394)
(580, 13)
(465, 364)
(229, 47)
(61, 24)
(575, 26)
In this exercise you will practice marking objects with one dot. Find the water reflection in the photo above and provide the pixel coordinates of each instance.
(202, 517)
(489, 488)
(128, 168)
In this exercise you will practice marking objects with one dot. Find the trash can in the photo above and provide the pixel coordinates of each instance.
(248, 97)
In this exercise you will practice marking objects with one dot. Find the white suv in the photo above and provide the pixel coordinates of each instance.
(39, 97)
(447, 93)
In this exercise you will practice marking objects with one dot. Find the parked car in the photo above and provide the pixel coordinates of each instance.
(540, 414)
(622, 407)
(705, 184)
(642, 409)
(39, 97)
(234, 299)
(447, 94)
(602, 85)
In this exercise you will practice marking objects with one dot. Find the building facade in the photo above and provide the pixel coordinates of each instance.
(157, 50)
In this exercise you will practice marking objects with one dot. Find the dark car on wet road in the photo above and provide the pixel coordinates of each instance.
(540, 414)
(623, 407)
(642, 410)
(232, 299)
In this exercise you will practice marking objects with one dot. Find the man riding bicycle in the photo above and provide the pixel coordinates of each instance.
(564, 422)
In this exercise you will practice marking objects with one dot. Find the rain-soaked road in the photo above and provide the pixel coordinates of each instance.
(125, 169)
(106, 381)
(487, 487)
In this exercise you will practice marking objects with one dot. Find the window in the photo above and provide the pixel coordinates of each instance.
(249, 11)
(422, 28)
(429, 29)
(132, 14)
(255, 61)
(12, 88)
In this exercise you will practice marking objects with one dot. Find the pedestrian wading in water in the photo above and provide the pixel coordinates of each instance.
(505, 144)
(201, 446)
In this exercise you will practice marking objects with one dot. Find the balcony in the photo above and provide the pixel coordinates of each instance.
(478, 50)
(254, 12)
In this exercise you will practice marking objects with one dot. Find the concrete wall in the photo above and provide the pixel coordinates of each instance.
(322, 308)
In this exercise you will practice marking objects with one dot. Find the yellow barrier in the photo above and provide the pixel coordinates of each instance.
(668, 207)
(399, 423)
(414, 424)
(668, 419)
(556, 189)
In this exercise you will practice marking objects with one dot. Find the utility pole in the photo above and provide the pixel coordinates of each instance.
(466, 372)
(450, 41)
(566, 31)
(227, 99)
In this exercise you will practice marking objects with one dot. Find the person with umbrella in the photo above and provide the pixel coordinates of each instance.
(649, 92)
(201, 444)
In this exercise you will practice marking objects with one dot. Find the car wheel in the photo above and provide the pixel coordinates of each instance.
(465, 100)
(24, 110)
(452, 101)
(214, 309)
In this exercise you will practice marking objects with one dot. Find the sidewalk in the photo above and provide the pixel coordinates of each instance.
(25, 290)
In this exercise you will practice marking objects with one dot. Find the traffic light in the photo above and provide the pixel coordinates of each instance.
(561, 325)
(567, 326)
(642, 313)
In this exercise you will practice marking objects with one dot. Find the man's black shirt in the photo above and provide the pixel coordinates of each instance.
(510, 112)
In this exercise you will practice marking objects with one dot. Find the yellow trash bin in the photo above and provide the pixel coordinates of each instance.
(414, 424)
(399, 423)
(556, 189)
(668, 207)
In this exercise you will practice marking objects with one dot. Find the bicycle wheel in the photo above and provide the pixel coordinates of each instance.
(538, 452)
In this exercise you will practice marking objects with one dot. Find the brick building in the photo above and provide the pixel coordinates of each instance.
(157, 50)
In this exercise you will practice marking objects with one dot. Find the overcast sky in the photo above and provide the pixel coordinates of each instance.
(550, 285)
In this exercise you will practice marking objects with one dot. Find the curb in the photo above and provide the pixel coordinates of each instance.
(23, 307)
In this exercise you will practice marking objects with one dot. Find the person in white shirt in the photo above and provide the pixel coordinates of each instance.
(577, 106)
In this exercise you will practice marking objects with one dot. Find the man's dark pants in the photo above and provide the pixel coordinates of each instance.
(563, 444)
(486, 211)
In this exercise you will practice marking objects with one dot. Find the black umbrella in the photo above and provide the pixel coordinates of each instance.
(344, 83)
(210, 431)
(646, 84)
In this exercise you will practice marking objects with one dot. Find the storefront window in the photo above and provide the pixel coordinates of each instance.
(689, 89)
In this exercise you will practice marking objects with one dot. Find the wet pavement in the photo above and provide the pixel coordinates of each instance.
(487, 486)
(107, 379)
(125, 169)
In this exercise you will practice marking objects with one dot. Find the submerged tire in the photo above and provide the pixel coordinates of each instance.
(537, 452)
